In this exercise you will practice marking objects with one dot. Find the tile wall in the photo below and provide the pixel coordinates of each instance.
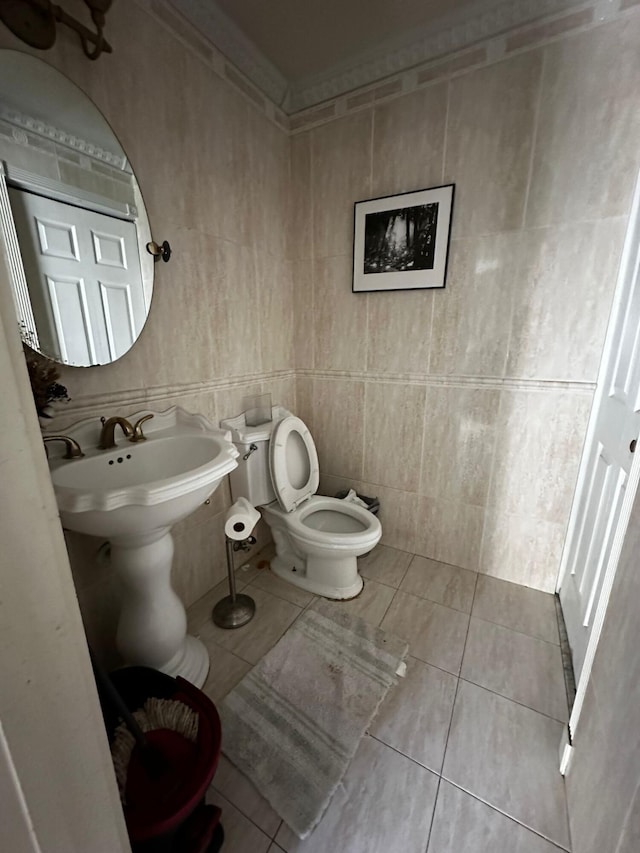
(465, 409)
(213, 170)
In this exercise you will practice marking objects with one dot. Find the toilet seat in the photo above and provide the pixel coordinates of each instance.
(293, 463)
(300, 525)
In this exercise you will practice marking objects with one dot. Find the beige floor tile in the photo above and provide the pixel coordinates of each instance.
(507, 756)
(440, 582)
(252, 641)
(519, 667)
(384, 804)
(517, 607)
(230, 782)
(435, 633)
(246, 572)
(462, 824)
(240, 835)
(225, 671)
(200, 611)
(265, 554)
(267, 581)
(371, 605)
(503, 754)
(415, 717)
(385, 565)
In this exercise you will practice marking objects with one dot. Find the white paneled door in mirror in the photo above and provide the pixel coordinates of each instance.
(72, 219)
(84, 278)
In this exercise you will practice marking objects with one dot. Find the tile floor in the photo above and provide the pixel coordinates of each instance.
(463, 755)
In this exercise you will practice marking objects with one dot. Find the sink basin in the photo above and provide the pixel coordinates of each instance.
(132, 495)
(135, 488)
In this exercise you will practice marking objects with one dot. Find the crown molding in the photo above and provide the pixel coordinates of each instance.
(55, 134)
(487, 21)
(230, 40)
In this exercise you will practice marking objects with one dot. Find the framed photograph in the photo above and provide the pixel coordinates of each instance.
(401, 242)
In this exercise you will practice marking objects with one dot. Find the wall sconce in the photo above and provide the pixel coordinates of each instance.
(159, 251)
(34, 21)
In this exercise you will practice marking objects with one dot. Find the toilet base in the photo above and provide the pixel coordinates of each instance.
(293, 569)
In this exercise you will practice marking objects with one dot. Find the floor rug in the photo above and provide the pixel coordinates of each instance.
(293, 723)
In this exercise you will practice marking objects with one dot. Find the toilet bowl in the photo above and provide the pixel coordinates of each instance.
(317, 539)
(318, 543)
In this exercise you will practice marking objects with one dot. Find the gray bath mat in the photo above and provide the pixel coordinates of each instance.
(293, 724)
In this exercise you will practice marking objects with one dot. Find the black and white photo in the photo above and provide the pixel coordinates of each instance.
(401, 242)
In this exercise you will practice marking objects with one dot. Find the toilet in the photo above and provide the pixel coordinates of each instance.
(317, 539)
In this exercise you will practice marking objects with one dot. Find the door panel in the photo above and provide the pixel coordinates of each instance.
(607, 456)
(109, 249)
(68, 300)
(88, 261)
(593, 583)
(119, 320)
(57, 239)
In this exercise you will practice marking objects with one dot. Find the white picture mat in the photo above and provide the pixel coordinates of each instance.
(405, 279)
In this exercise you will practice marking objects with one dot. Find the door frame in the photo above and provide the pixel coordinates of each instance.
(630, 259)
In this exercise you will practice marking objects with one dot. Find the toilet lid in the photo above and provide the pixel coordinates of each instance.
(293, 461)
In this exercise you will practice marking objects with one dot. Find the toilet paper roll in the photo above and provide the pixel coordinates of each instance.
(241, 518)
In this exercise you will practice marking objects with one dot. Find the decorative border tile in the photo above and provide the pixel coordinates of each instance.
(90, 404)
(548, 28)
(533, 35)
(472, 42)
(481, 382)
(469, 27)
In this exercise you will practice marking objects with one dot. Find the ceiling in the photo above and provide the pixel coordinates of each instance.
(303, 52)
(303, 39)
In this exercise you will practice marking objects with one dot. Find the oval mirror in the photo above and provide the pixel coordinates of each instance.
(73, 219)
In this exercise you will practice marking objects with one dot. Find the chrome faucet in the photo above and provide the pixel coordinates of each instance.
(72, 446)
(107, 434)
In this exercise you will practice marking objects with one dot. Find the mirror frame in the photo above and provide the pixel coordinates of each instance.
(58, 190)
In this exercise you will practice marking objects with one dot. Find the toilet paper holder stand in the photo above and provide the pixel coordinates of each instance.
(235, 609)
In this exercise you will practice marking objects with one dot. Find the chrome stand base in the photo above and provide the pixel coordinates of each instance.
(234, 611)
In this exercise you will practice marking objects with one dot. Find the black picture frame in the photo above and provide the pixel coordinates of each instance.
(401, 242)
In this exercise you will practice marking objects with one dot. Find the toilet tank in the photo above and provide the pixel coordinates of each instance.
(252, 478)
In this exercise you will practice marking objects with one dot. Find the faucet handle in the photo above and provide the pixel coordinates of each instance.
(72, 448)
(138, 435)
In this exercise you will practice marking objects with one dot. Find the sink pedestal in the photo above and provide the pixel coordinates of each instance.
(152, 630)
(131, 496)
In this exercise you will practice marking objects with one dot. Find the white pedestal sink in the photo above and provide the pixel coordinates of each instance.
(132, 495)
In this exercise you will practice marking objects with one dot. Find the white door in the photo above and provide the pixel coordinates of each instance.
(83, 274)
(614, 427)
